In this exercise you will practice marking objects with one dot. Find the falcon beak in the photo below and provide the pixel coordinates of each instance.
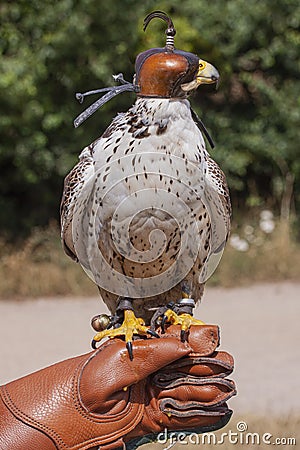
(207, 74)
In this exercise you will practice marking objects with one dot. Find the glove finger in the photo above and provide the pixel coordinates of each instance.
(183, 410)
(192, 414)
(220, 364)
(204, 339)
(205, 393)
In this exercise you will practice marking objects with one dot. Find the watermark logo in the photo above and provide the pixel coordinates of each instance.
(241, 435)
(241, 426)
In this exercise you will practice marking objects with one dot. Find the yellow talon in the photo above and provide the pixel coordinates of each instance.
(184, 320)
(130, 326)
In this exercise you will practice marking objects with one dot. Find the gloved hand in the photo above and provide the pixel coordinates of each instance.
(104, 399)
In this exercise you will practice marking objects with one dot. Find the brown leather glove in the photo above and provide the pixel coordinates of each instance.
(104, 399)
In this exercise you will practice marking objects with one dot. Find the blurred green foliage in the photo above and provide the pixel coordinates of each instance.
(52, 49)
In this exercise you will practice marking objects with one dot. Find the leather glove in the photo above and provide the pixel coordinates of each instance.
(104, 399)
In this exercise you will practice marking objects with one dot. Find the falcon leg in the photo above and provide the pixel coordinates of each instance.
(181, 314)
(126, 324)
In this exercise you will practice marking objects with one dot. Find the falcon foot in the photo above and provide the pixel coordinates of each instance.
(131, 326)
(177, 314)
(184, 320)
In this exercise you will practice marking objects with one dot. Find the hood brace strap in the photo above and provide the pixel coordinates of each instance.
(111, 92)
(202, 128)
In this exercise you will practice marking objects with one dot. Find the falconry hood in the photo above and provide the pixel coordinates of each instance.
(159, 73)
(167, 72)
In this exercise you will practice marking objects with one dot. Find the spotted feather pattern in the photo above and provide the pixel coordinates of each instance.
(151, 135)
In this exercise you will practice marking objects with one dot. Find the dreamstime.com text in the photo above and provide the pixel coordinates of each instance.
(240, 436)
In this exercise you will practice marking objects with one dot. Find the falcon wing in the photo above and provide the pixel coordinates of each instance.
(73, 185)
(219, 206)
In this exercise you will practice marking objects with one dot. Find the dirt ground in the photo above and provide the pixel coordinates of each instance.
(259, 326)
